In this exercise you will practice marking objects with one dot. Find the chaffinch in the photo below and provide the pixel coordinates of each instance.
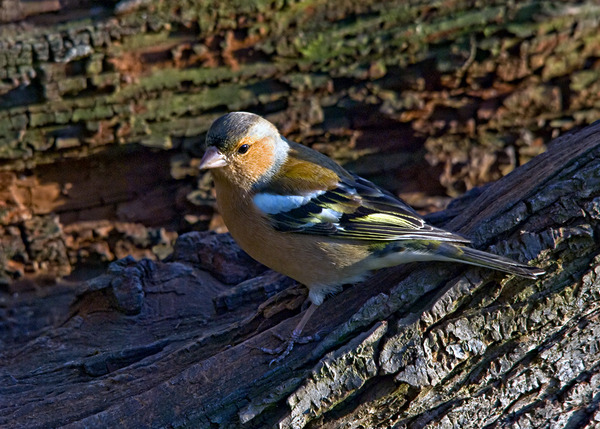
(299, 213)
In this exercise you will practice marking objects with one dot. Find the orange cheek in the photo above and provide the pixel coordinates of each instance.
(257, 161)
(262, 161)
(244, 170)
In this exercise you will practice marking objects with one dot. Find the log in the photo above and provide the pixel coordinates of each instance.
(176, 343)
(103, 104)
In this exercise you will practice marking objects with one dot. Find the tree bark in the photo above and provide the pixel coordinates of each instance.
(102, 110)
(176, 343)
(103, 106)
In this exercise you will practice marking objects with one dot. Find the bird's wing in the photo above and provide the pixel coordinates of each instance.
(353, 209)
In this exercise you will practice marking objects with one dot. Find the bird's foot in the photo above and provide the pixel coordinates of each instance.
(287, 345)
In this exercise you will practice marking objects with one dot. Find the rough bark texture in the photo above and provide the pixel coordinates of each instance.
(102, 108)
(103, 105)
(175, 343)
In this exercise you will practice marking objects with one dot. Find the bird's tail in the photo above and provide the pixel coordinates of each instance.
(401, 252)
(480, 258)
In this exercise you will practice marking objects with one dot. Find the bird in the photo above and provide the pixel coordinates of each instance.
(301, 214)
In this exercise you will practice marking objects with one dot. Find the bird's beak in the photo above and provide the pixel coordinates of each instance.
(212, 159)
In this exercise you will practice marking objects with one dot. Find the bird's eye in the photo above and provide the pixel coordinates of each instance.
(243, 149)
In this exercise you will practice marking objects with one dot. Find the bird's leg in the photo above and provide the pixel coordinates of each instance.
(288, 344)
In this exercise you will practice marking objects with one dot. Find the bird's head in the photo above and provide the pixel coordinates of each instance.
(243, 149)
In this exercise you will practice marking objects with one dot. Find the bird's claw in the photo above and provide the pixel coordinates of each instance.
(287, 345)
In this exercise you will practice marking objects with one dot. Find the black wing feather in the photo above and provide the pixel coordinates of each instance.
(365, 212)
